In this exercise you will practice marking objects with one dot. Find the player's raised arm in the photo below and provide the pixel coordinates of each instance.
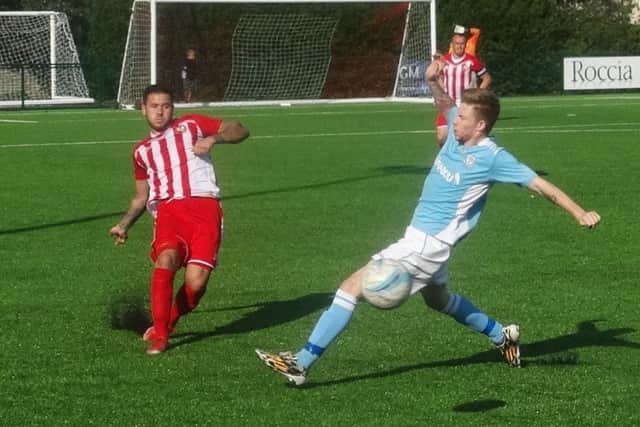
(545, 188)
(230, 132)
(442, 100)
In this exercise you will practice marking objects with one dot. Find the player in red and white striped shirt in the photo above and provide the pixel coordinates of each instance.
(459, 71)
(176, 181)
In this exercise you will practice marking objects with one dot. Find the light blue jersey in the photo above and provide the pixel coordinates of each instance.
(455, 190)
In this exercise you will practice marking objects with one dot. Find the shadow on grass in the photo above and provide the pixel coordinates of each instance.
(129, 312)
(384, 171)
(266, 315)
(406, 170)
(479, 405)
(553, 351)
(61, 223)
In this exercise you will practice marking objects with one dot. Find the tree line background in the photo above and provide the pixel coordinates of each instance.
(522, 43)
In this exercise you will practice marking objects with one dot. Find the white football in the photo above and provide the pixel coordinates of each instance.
(385, 283)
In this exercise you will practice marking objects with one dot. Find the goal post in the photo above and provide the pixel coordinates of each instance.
(39, 63)
(280, 51)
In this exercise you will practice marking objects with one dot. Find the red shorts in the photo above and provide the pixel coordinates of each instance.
(441, 120)
(192, 226)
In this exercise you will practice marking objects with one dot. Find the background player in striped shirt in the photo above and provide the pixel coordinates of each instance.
(176, 181)
(453, 197)
(460, 71)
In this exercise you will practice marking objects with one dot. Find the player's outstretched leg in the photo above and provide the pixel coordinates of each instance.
(331, 324)
(464, 312)
(186, 300)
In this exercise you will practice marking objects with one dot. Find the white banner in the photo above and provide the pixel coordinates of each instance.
(601, 73)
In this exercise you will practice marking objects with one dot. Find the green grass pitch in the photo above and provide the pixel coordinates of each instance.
(308, 198)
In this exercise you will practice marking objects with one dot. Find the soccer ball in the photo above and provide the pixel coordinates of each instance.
(385, 283)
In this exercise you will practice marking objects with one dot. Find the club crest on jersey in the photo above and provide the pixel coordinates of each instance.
(469, 160)
(181, 129)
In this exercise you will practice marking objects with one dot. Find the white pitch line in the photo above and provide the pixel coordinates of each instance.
(309, 135)
(62, 144)
(17, 121)
(569, 130)
(322, 135)
(567, 126)
(524, 129)
(239, 115)
(567, 106)
(268, 111)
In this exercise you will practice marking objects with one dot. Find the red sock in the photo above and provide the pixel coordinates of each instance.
(161, 295)
(186, 300)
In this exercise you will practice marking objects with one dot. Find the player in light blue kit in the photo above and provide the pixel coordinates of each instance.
(452, 199)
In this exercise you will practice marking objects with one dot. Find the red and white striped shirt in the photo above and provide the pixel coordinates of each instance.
(460, 74)
(167, 162)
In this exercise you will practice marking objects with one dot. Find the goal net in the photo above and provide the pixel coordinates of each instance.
(269, 51)
(39, 63)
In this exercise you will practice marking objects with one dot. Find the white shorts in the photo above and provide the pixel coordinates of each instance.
(425, 257)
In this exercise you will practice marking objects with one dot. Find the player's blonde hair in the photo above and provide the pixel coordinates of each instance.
(485, 103)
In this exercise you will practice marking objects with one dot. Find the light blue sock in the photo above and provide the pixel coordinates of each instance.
(469, 315)
(331, 324)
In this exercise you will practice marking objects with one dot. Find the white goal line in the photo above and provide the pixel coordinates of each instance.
(17, 121)
(586, 128)
(310, 135)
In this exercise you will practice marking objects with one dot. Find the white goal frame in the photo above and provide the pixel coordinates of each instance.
(59, 39)
(418, 72)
